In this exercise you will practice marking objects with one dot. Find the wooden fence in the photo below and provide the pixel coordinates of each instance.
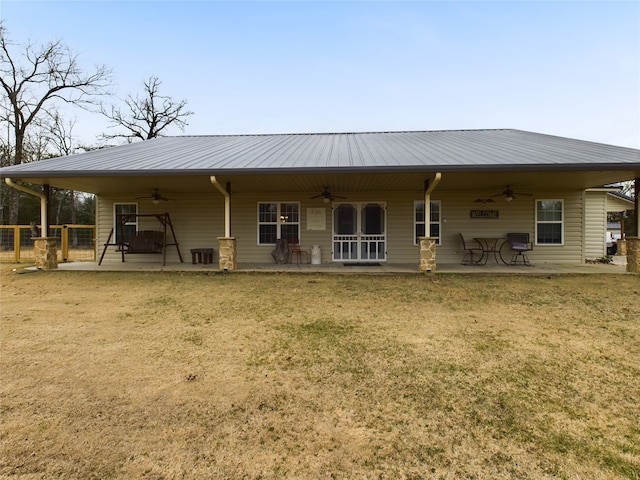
(76, 243)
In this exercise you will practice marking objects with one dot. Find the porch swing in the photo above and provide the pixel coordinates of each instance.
(144, 241)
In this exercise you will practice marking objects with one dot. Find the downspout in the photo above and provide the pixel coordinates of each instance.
(43, 203)
(227, 206)
(427, 194)
(636, 187)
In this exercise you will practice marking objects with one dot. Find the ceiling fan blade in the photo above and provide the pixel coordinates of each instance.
(156, 197)
(326, 193)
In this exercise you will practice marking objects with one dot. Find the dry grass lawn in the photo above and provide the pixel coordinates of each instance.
(166, 376)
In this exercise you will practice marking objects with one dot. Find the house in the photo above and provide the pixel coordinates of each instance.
(351, 197)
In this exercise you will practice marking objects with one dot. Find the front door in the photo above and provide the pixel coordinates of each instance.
(359, 232)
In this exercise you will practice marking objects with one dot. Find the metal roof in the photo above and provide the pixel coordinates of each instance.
(420, 151)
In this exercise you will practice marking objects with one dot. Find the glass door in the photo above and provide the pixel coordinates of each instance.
(359, 232)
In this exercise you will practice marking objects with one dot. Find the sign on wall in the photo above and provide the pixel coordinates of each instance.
(484, 213)
(316, 218)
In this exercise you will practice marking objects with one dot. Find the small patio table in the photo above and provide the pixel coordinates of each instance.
(491, 245)
(202, 255)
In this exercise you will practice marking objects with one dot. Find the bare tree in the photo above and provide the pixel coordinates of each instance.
(37, 79)
(59, 134)
(60, 138)
(6, 155)
(62, 142)
(148, 116)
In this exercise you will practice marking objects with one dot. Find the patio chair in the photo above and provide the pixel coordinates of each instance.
(294, 247)
(520, 245)
(470, 252)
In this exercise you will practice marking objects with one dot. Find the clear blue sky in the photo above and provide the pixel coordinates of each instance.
(564, 68)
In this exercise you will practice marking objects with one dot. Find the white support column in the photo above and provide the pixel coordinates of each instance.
(227, 206)
(428, 243)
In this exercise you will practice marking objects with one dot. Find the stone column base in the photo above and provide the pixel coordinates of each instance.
(428, 254)
(45, 250)
(227, 253)
(633, 254)
(621, 251)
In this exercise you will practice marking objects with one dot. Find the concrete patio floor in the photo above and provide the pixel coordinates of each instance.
(617, 267)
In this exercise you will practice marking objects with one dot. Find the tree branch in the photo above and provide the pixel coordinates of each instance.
(148, 116)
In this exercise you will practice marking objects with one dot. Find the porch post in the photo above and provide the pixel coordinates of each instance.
(44, 207)
(227, 253)
(633, 254)
(637, 204)
(226, 244)
(428, 244)
(622, 247)
(633, 243)
(428, 254)
(46, 190)
(227, 205)
(45, 250)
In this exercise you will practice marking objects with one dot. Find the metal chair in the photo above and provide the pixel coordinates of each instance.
(469, 253)
(294, 249)
(520, 245)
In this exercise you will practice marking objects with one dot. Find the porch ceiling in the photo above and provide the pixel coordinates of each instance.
(351, 182)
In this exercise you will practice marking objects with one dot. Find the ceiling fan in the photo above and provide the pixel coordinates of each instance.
(156, 198)
(509, 194)
(327, 196)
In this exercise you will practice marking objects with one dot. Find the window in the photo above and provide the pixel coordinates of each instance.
(549, 222)
(278, 220)
(127, 231)
(420, 221)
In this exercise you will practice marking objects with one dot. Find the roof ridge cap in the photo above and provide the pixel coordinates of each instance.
(213, 135)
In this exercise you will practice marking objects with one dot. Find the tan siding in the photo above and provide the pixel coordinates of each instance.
(571, 249)
(244, 226)
(615, 204)
(399, 224)
(595, 224)
(400, 228)
(516, 216)
(199, 219)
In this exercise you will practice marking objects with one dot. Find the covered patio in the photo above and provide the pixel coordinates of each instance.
(393, 198)
(618, 267)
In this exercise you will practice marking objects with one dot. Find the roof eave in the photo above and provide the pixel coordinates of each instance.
(7, 173)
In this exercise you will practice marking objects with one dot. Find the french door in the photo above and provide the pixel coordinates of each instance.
(359, 232)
